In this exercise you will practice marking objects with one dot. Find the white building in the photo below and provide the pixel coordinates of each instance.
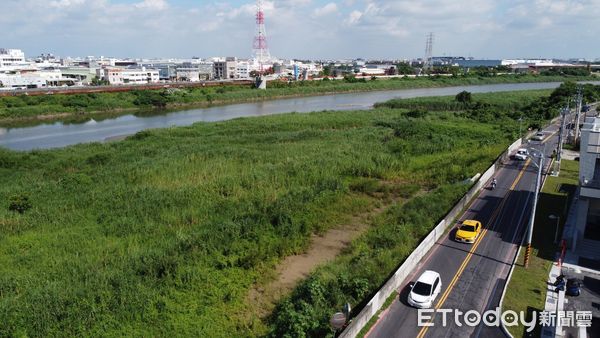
(584, 236)
(16, 81)
(194, 71)
(12, 58)
(206, 69)
(243, 70)
(83, 75)
(119, 76)
(371, 71)
(35, 79)
(188, 74)
(225, 69)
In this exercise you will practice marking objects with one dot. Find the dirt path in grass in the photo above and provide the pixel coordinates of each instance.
(297, 267)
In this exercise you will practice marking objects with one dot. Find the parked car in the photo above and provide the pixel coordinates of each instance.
(539, 136)
(468, 231)
(573, 287)
(521, 154)
(427, 287)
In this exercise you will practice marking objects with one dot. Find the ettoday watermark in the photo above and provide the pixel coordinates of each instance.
(497, 317)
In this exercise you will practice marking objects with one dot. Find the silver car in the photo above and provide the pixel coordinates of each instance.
(539, 136)
(521, 154)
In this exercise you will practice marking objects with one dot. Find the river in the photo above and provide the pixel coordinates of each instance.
(61, 134)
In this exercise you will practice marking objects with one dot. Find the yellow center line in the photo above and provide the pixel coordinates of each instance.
(549, 137)
(473, 248)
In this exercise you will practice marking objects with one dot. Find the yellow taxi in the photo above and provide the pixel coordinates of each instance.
(468, 231)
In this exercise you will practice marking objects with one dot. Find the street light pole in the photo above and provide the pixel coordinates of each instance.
(520, 128)
(532, 218)
(563, 114)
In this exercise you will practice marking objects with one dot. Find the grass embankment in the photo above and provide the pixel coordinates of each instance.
(527, 289)
(505, 102)
(168, 230)
(25, 107)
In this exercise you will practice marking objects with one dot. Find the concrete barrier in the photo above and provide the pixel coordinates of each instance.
(411, 262)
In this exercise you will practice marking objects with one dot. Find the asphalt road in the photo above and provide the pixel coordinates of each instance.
(474, 275)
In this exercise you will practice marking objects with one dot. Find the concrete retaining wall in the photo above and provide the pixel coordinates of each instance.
(409, 265)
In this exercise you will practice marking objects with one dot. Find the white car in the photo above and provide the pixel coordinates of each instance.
(425, 290)
(539, 136)
(521, 154)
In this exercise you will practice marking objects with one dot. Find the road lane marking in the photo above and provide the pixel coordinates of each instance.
(465, 262)
(549, 137)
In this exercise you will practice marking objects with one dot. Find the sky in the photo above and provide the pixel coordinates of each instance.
(304, 29)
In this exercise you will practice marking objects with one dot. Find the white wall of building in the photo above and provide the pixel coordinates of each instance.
(18, 81)
(11, 58)
(119, 76)
(590, 148)
(188, 74)
(371, 71)
(243, 70)
(223, 70)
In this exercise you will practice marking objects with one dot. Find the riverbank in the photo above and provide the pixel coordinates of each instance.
(29, 109)
(169, 230)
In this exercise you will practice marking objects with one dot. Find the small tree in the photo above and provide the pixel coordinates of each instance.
(405, 68)
(463, 97)
(19, 203)
(96, 81)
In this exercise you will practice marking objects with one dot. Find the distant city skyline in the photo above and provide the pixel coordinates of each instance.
(305, 29)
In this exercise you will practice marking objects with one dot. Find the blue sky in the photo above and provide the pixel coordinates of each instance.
(304, 28)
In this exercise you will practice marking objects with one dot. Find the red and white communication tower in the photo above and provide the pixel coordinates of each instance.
(260, 48)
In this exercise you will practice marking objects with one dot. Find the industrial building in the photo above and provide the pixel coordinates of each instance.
(11, 59)
(225, 69)
(119, 76)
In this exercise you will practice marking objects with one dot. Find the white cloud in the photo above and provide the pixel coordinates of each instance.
(152, 5)
(329, 8)
(66, 3)
(354, 17)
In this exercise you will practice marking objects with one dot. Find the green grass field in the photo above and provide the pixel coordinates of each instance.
(168, 230)
(506, 102)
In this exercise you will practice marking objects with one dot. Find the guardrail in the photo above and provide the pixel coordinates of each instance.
(370, 310)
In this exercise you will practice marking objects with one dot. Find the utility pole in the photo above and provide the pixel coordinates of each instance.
(532, 218)
(427, 64)
(577, 114)
(260, 48)
(564, 113)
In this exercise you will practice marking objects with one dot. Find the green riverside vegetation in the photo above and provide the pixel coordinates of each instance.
(169, 230)
(58, 106)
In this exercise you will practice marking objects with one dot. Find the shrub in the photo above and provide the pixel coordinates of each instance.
(151, 98)
(417, 113)
(19, 203)
(463, 97)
